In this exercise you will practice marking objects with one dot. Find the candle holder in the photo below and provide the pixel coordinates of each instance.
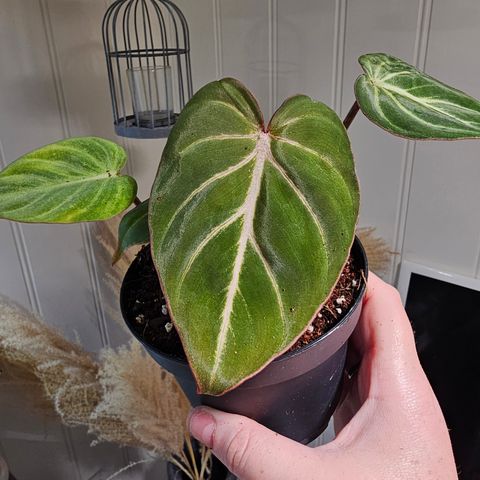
(147, 49)
(152, 96)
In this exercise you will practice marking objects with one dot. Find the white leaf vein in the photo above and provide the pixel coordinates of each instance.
(293, 120)
(273, 281)
(324, 158)
(211, 235)
(237, 111)
(416, 117)
(299, 194)
(216, 138)
(206, 184)
(426, 103)
(248, 211)
(298, 145)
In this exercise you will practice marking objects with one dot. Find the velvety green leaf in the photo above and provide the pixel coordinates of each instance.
(250, 229)
(409, 103)
(74, 180)
(133, 229)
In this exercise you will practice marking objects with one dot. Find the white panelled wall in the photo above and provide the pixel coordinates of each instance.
(423, 197)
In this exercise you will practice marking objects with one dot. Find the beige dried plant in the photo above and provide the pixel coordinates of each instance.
(378, 251)
(34, 348)
(15, 380)
(105, 234)
(134, 391)
(125, 398)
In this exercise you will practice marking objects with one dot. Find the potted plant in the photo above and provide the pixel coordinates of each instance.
(251, 228)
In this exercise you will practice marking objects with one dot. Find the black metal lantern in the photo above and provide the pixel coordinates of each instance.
(147, 48)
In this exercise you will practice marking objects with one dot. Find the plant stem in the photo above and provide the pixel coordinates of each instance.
(188, 441)
(352, 113)
(206, 457)
(181, 467)
(137, 201)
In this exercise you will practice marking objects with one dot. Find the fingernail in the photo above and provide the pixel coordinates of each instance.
(202, 425)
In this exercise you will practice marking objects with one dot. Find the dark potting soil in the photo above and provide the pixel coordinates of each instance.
(145, 306)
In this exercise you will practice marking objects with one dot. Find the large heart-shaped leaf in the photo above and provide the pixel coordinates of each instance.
(74, 180)
(409, 103)
(250, 226)
(133, 229)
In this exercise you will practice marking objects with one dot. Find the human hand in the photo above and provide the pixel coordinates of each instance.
(390, 424)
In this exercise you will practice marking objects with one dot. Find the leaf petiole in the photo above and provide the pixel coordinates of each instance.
(352, 113)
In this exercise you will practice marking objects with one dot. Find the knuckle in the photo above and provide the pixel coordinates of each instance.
(237, 450)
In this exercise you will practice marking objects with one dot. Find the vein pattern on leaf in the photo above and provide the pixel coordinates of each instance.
(211, 235)
(293, 120)
(207, 183)
(272, 278)
(425, 102)
(248, 212)
(401, 99)
(73, 180)
(299, 194)
(215, 138)
(237, 111)
(295, 144)
(242, 238)
(306, 149)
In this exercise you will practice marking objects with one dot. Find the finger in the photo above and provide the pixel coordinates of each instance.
(249, 450)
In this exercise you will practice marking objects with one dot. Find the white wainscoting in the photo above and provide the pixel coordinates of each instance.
(423, 197)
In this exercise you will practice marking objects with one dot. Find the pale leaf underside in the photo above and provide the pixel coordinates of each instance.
(250, 229)
(409, 103)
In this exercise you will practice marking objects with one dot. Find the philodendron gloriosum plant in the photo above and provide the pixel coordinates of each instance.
(250, 224)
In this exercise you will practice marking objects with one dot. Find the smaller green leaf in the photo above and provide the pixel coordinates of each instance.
(74, 180)
(133, 229)
(406, 102)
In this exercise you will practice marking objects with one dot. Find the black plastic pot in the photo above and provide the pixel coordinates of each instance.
(297, 393)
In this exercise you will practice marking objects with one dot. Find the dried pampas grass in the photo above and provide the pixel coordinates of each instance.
(378, 251)
(105, 234)
(39, 351)
(144, 397)
(125, 398)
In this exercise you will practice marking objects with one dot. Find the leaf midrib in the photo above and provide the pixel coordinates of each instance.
(380, 84)
(260, 156)
(51, 185)
(248, 208)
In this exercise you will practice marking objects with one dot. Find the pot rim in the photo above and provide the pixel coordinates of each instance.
(339, 325)
(357, 244)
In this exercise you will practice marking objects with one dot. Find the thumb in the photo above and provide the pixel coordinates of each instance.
(249, 450)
